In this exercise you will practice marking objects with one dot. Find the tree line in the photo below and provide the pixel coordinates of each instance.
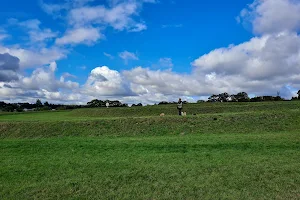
(243, 97)
(95, 103)
(39, 106)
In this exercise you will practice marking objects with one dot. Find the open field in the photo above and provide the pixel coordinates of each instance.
(225, 151)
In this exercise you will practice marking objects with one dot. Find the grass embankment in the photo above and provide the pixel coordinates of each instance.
(226, 151)
(205, 124)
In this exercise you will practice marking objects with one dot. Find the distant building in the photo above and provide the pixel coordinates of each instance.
(28, 110)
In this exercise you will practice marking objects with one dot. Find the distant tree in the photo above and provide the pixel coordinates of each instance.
(294, 98)
(46, 104)
(298, 94)
(223, 97)
(268, 98)
(256, 99)
(95, 103)
(242, 97)
(9, 108)
(38, 103)
(19, 109)
(2, 105)
(200, 101)
(213, 98)
(163, 103)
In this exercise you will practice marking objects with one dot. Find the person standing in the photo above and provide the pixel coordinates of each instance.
(179, 106)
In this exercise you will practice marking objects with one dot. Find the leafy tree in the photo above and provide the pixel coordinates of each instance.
(38, 103)
(9, 108)
(298, 94)
(294, 98)
(163, 102)
(223, 97)
(256, 99)
(242, 97)
(46, 104)
(213, 98)
(95, 103)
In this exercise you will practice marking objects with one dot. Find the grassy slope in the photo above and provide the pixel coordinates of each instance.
(210, 118)
(169, 110)
(251, 151)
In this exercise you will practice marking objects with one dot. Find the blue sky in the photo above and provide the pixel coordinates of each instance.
(146, 50)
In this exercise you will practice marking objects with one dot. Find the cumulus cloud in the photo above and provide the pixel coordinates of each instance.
(119, 15)
(85, 19)
(272, 16)
(87, 36)
(103, 81)
(146, 81)
(262, 64)
(30, 58)
(9, 66)
(43, 84)
(44, 78)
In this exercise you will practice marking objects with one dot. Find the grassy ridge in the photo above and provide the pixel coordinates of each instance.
(147, 126)
(146, 111)
(202, 108)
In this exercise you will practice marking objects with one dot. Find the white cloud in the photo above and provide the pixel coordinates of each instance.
(44, 78)
(272, 16)
(87, 36)
(85, 20)
(53, 9)
(67, 75)
(119, 16)
(166, 62)
(35, 58)
(40, 36)
(103, 81)
(263, 65)
(144, 80)
(43, 84)
(126, 56)
(35, 33)
(108, 55)
(3, 36)
(138, 27)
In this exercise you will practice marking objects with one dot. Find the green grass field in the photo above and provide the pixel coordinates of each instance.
(224, 151)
